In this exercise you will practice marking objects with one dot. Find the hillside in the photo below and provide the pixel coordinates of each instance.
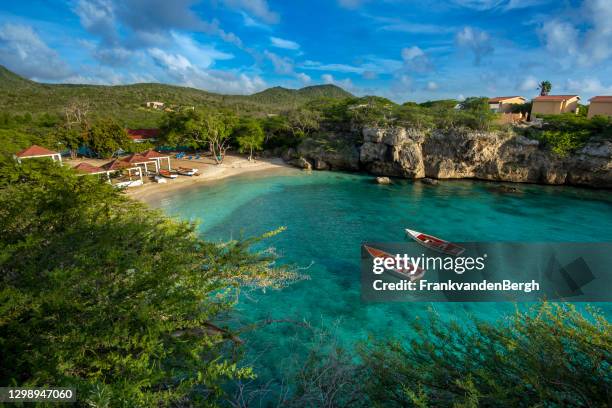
(125, 102)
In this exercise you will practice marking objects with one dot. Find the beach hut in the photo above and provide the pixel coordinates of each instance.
(138, 160)
(158, 157)
(36, 151)
(89, 169)
(117, 164)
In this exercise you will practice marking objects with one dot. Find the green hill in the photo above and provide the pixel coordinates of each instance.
(126, 102)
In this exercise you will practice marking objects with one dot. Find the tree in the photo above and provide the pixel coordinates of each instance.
(545, 87)
(217, 131)
(92, 296)
(106, 137)
(302, 122)
(250, 136)
(550, 355)
(199, 128)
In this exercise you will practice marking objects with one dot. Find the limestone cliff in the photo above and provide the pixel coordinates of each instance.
(496, 156)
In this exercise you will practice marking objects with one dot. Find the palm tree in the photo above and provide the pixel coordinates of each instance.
(544, 87)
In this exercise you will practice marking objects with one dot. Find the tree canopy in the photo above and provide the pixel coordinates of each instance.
(100, 293)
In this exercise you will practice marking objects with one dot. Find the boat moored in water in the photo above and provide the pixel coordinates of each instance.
(413, 272)
(435, 243)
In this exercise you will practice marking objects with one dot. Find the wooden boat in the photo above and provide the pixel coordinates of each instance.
(437, 244)
(185, 171)
(413, 272)
(167, 174)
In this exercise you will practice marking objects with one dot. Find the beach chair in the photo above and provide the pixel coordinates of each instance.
(198, 157)
(190, 158)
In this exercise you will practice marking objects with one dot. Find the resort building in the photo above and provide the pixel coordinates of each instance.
(89, 169)
(503, 104)
(158, 157)
(138, 160)
(117, 164)
(600, 105)
(143, 135)
(555, 104)
(155, 105)
(36, 151)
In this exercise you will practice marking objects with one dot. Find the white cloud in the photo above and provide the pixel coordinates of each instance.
(282, 65)
(346, 83)
(529, 84)
(22, 51)
(432, 86)
(502, 5)
(587, 40)
(257, 8)
(282, 43)
(477, 41)
(184, 72)
(417, 28)
(303, 78)
(415, 59)
(590, 86)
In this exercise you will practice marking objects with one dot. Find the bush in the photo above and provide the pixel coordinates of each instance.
(551, 355)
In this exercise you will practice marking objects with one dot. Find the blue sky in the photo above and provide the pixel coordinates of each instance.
(403, 50)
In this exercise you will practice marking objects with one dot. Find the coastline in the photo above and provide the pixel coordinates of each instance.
(233, 165)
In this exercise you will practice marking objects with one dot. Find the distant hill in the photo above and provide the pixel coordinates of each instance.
(125, 102)
(278, 93)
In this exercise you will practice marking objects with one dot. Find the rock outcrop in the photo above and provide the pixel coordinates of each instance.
(498, 156)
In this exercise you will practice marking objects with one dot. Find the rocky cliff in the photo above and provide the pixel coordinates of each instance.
(495, 156)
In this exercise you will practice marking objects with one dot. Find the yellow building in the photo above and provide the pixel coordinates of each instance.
(555, 104)
(503, 104)
(600, 105)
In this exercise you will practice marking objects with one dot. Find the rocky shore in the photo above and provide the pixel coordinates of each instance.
(497, 156)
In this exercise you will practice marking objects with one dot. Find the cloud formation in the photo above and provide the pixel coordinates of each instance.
(282, 43)
(475, 40)
(23, 51)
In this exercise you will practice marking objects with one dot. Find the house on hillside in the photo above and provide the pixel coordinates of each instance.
(503, 104)
(554, 104)
(155, 105)
(600, 105)
(143, 135)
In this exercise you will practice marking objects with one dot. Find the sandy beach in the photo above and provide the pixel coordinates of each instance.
(208, 170)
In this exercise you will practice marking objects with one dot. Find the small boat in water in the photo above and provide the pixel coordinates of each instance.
(167, 174)
(185, 171)
(435, 243)
(413, 272)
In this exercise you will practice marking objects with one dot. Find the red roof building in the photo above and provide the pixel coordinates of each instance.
(143, 135)
(600, 106)
(555, 98)
(115, 164)
(88, 168)
(37, 151)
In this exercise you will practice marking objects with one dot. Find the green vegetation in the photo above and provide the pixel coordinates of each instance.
(551, 355)
(545, 87)
(250, 136)
(568, 132)
(101, 293)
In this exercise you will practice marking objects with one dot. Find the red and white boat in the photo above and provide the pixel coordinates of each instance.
(435, 243)
(167, 174)
(413, 272)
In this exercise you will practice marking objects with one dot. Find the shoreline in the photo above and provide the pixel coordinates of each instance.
(233, 165)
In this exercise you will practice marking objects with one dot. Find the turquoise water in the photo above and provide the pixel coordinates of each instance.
(328, 215)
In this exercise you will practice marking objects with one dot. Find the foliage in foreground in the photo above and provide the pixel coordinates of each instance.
(100, 293)
(551, 355)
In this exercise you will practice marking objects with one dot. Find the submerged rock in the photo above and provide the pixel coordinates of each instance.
(430, 181)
